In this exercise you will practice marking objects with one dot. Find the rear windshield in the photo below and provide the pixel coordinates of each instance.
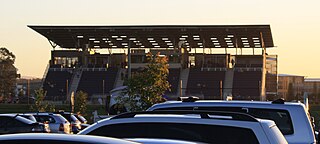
(190, 132)
(280, 117)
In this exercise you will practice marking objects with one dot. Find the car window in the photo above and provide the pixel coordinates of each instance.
(44, 118)
(280, 117)
(191, 132)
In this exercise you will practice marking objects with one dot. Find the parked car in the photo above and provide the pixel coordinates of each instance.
(196, 126)
(32, 118)
(57, 123)
(75, 123)
(13, 123)
(292, 118)
(43, 138)
(84, 122)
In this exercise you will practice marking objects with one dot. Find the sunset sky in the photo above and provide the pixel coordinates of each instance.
(295, 24)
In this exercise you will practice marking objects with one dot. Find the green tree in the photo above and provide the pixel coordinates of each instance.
(80, 105)
(40, 105)
(147, 86)
(8, 74)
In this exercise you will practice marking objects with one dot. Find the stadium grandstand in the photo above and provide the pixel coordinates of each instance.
(95, 59)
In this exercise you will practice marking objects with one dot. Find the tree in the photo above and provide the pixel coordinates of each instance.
(147, 86)
(39, 104)
(8, 73)
(81, 102)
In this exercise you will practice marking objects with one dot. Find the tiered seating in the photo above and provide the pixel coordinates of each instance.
(173, 78)
(205, 82)
(246, 85)
(56, 84)
(92, 81)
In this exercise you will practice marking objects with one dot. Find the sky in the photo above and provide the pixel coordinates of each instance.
(294, 25)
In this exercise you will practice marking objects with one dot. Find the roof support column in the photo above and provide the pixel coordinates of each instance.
(129, 59)
(263, 79)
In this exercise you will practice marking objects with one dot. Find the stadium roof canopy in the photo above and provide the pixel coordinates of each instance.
(159, 36)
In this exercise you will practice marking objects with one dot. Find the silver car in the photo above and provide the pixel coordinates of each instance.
(57, 123)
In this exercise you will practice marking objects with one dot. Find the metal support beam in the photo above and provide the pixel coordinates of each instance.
(129, 59)
(263, 78)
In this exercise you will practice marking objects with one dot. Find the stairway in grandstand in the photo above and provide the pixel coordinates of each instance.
(74, 82)
(228, 83)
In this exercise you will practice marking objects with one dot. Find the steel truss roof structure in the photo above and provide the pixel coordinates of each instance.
(159, 36)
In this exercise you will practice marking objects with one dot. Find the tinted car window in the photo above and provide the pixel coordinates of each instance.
(280, 117)
(190, 132)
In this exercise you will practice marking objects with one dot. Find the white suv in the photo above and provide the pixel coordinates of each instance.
(292, 119)
(193, 126)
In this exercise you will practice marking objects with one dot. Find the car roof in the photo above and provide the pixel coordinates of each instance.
(161, 141)
(256, 104)
(20, 118)
(195, 117)
(8, 115)
(64, 137)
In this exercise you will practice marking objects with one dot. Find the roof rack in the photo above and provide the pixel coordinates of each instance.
(188, 99)
(203, 114)
(278, 101)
